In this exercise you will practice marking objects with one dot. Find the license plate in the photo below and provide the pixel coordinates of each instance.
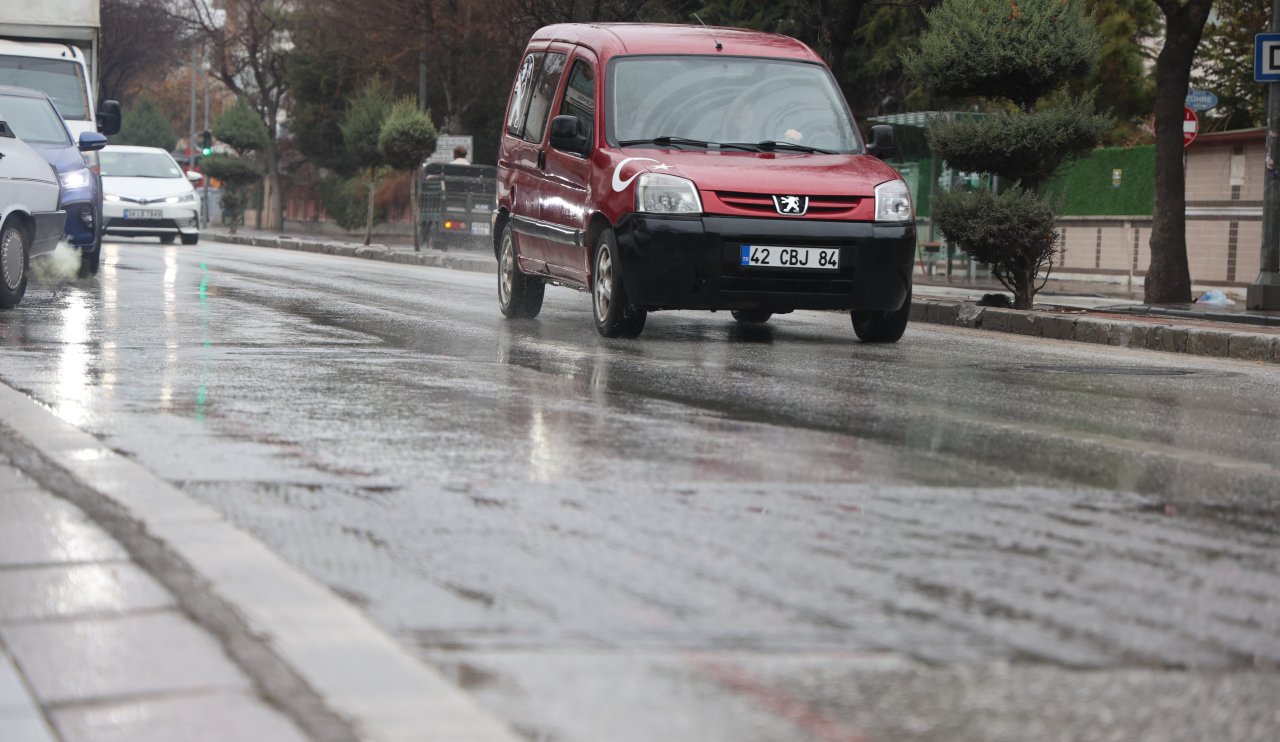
(773, 256)
(480, 228)
(143, 214)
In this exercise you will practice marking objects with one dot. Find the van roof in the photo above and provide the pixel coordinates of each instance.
(612, 39)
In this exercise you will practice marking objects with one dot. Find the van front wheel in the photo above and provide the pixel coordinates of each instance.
(518, 295)
(881, 327)
(614, 315)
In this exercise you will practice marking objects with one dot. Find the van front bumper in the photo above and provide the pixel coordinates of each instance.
(694, 262)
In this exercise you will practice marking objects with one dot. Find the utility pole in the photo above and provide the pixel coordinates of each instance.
(191, 140)
(204, 212)
(1264, 292)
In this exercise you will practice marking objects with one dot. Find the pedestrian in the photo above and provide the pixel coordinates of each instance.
(460, 155)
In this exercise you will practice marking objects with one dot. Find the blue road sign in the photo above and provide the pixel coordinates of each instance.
(1266, 57)
(1201, 100)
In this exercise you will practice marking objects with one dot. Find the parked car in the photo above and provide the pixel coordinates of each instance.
(35, 120)
(30, 220)
(681, 167)
(146, 194)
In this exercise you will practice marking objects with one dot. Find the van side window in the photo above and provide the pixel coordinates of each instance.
(520, 92)
(580, 98)
(543, 92)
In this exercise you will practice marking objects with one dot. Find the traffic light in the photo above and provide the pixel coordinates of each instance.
(206, 143)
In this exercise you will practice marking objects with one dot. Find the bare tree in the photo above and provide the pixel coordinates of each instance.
(249, 43)
(140, 41)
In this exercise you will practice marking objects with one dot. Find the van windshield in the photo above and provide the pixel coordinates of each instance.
(33, 120)
(61, 80)
(723, 100)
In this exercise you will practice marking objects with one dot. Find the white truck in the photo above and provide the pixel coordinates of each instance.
(52, 46)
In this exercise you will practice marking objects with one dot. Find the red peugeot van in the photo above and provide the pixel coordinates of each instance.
(685, 167)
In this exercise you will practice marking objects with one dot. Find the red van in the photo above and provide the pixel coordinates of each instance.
(685, 167)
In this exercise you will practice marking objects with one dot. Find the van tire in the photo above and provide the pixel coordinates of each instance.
(519, 296)
(15, 258)
(881, 327)
(751, 316)
(613, 313)
(190, 239)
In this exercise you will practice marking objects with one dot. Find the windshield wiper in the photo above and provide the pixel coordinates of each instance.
(770, 145)
(664, 141)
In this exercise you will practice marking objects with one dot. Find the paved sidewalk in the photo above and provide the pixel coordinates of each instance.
(1080, 311)
(92, 649)
(131, 612)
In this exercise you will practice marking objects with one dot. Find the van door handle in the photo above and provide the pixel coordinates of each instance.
(542, 159)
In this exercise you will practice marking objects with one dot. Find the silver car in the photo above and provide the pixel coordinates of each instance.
(30, 220)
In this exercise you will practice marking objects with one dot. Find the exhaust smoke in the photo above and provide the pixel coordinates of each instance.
(60, 266)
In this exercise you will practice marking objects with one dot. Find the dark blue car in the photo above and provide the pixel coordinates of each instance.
(35, 120)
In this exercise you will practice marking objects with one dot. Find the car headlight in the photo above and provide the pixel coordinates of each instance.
(75, 179)
(893, 202)
(667, 194)
(110, 197)
(184, 198)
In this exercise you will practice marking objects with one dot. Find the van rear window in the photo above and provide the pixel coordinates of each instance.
(727, 99)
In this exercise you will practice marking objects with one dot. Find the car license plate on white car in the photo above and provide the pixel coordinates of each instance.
(480, 228)
(143, 214)
(773, 256)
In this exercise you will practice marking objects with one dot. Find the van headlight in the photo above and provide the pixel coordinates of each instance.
(893, 202)
(660, 193)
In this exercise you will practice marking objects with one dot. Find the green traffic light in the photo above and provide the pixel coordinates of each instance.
(207, 151)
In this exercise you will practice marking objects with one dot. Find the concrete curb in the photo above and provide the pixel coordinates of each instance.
(473, 262)
(1162, 335)
(1144, 335)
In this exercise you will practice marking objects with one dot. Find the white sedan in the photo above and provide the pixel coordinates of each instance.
(145, 193)
(30, 220)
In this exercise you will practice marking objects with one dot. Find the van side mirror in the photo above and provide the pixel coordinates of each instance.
(91, 141)
(565, 135)
(882, 144)
(109, 117)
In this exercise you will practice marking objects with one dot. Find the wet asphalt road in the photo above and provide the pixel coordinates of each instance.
(713, 532)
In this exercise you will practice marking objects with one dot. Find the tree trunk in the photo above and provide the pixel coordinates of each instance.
(414, 208)
(368, 221)
(274, 205)
(1168, 275)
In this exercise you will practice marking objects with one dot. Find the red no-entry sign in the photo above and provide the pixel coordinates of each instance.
(1190, 125)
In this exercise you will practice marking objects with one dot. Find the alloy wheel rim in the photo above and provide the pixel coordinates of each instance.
(604, 282)
(507, 282)
(11, 258)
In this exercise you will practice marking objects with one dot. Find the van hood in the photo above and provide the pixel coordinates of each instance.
(757, 172)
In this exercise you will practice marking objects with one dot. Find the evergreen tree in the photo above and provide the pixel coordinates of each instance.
(1025, 54)
(242, 129)
(145, 125)
(361, 126)
(407, 138)
(1225, 65)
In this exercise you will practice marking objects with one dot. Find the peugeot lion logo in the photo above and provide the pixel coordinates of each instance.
(791, 205)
